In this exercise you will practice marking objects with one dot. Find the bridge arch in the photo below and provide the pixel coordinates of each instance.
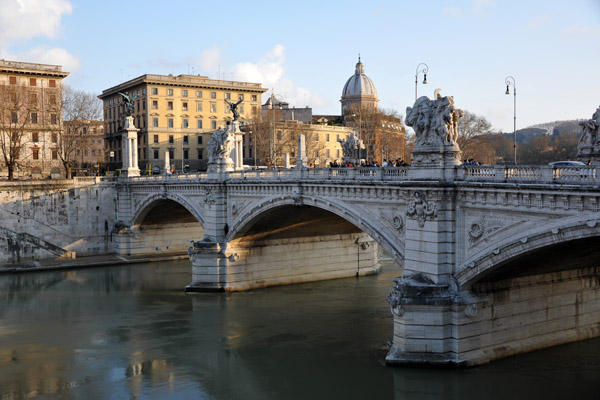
(161, 223)
(384, 237)
(144, 206)
(557, 235)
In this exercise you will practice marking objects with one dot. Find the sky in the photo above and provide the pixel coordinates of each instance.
(305, 51)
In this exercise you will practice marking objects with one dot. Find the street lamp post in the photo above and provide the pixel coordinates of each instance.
(424, 69)
(273, 138)
(511, 81)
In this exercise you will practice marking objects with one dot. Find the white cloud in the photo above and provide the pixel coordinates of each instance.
(209, 61)
(537, 21)
(25, 19)
(46, 55)
(454, 12)
(581, 31)
(269, 71)
(481, 6)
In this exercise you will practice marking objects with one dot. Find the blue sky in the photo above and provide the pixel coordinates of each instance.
(305, 51)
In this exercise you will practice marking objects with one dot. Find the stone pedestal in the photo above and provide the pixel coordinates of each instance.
(301, 157)
(129, 146)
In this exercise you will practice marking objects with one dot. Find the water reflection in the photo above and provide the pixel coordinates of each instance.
(131, 332)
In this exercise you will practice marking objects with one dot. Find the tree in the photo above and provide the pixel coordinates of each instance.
(79, 108)
(14, 121)
(474, 138)
(382, 132)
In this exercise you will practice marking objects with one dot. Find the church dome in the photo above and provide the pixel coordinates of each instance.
(359, 84)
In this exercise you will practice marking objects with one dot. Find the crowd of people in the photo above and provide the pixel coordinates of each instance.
(384, 164)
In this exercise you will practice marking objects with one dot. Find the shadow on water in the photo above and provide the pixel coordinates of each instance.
(131, 332)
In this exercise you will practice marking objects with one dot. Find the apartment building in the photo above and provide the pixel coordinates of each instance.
(30, 119)
(176, 115)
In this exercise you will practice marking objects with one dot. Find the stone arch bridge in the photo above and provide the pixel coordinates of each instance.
(494, 260)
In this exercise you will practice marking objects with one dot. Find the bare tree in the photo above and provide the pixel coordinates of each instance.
(14, 120)
(382, 132)
(474, 137)
(78, 108)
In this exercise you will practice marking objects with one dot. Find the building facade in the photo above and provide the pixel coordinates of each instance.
(176, 115)
(89, 153)
(30, 119)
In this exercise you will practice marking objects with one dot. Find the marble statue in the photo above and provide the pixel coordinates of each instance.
(350, 145)
(129, 105)
(220, 145)
(588, 148)
(435, 123)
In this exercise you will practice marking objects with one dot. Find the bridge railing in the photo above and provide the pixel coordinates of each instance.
(530, 173)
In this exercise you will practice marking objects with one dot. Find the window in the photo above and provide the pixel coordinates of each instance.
(327, 138)
(53, 119)
(228, 96)
(213, 95)
(35, 154)
(155, 122)
(13, 80)
(198, 106)
(144, 93)
(155, 154)
(338, 137)
(14, 117)
(186, 154)
(199, 124)
(185, 123)
(170, 123)
(54, 137)
(213, 107)
(143, 104)
(172, 154)
(154, 90)
(171, 140)
(155, 138)
(241, 109)
(199, 154)
(240, 97)
(54, 154)
(32, 82)
(199, 139)
(154, 104)
(34, 119)
(213, 124)
(35, 137)
(184, 92)
(186, 139)
(32, 98)
(52, 99)
(52, 82)
(253, 97)
(184, 106)
(169, 92)
(198, 93)
(169, 105)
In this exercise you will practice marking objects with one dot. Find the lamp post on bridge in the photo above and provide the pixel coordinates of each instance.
(273, 138)
(424, 69)
(511, 81)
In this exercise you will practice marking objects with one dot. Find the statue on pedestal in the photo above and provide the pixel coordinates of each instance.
(351, 147)
(129, 105)
(435, 123)
(233, 107)
(588, 148)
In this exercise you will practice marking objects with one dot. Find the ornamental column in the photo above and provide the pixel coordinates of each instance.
(129, 146)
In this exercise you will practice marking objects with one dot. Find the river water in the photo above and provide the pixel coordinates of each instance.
(129, 332)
